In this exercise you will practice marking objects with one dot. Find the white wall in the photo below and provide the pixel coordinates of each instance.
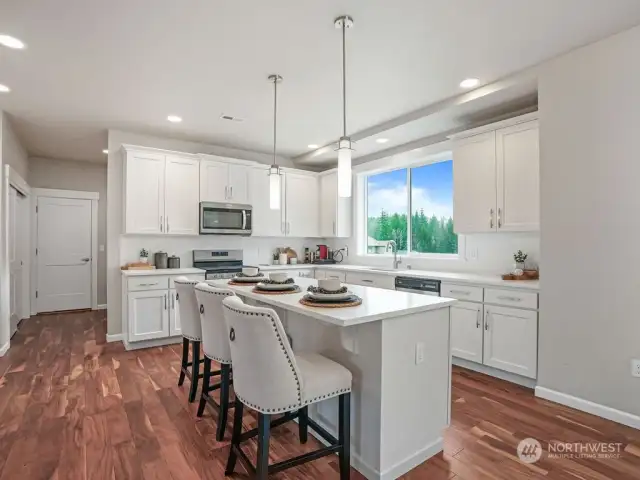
(122, 248)
(78, 176)
(13, 153)
(590, 204)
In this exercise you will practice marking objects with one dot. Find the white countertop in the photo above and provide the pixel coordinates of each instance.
(163, 271)
(454, 277)
(377, 303)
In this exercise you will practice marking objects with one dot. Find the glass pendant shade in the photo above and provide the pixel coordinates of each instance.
(344, 168)
(274, 187)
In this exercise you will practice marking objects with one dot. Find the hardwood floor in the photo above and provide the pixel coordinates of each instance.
(74, 407)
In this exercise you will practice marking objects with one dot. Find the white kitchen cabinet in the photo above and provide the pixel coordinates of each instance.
(335, 211)
(518, 171)
(148, 315)
(181, 198)
(474, 187)
(301, 205)
(467, 331)
(144, 203)
(371, 280)
(175, 328)
(511, 340)
(266, 222)
(222, 181)
(496, 177)
(322, 274)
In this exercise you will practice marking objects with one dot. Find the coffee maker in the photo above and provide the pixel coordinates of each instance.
(324, 255)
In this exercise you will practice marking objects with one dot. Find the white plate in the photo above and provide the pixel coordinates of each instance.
(329, 296)
(276, 286)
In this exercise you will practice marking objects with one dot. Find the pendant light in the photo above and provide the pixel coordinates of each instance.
(344, 145)
(274, 171)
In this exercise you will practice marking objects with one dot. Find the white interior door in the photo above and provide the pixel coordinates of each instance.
(17, 250)
(64, 254)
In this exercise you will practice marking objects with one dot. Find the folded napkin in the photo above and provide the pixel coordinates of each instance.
(249, 276)
(313, 289)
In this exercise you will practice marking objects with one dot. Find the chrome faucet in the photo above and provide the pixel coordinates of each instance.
(396, 261)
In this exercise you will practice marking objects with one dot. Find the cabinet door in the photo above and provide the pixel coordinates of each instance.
(214, 181)
(144, 193)
(148, 315)
(266, 222)
(328, 205)
(174, 315)
(518, 157)
(511, 340)
(181, 196)
(466, 331)
(474, 184)
(301, 205)
(238, 183)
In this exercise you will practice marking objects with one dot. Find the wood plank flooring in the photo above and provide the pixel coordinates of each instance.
(73, 407)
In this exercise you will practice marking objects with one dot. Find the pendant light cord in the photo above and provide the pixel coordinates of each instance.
(344, 77)
(275, 115)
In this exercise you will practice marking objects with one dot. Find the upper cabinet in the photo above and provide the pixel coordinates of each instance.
(301, 205)
(496, 176)
(159, 193)
(335, 211)
(222, 181)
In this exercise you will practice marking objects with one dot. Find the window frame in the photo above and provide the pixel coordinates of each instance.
(362, 209)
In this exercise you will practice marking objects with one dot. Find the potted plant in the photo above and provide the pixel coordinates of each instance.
(520, 257)
(144, 255)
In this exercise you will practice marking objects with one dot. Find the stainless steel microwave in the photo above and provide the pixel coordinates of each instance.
(225, 219)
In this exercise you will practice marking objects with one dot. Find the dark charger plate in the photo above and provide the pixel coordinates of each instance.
(349, 299)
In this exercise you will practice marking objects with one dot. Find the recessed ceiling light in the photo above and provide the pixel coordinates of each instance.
(105, 151)
(11, 42)
(174, 118)
(469, 82)
(312, 145)
(4, 89)
(382, 140)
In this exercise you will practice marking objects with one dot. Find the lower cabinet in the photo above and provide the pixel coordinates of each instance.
(371, 280)
(511, 340)
(174, 315)
(148, 315)
(467, 331)
(322, 274)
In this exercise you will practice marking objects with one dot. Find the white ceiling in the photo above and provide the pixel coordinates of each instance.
(127, 64)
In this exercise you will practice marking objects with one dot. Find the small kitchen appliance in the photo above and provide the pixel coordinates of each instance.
(225, 219)
(218, 263)
(323, 252)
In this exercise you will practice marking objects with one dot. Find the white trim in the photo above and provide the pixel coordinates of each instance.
(17, 182)
(583, 405)
(494, 372)
(527, 117)
(114, 338)
(78, 195)
(4, 349)
(102, 306)
(52, 192)
(157, 342)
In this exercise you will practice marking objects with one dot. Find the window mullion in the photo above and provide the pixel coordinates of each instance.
(409, 212)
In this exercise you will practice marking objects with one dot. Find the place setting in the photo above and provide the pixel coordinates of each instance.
(330, 294)
(276, 284)
(248, 276)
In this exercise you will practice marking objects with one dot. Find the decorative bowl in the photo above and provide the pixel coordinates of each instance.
(278, 276)
(250, 271)
(330, 284)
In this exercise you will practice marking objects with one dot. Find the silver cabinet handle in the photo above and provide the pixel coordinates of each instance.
(161, 223)
(173, 301)
(244, 219)
(491, 218)
(478, 319)
(499, 218)
(165, 301)
(147, 284)
(510, 299)
(167, 224)
(367, 281)
(334, 228)
(231, 192)
(486, 320)
(460, 292)
(282, 228)
(226, 192)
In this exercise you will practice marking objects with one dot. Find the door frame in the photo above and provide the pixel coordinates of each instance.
(76, 195)
(10, 178)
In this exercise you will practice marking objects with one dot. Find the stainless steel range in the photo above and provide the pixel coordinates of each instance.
(218, 263)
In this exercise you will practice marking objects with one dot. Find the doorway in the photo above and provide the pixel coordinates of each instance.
(18, 243)
(65, 250)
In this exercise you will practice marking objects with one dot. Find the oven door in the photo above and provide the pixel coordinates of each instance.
(225, 219)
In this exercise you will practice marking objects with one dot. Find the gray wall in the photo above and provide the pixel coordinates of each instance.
(79, 176)
(13, 153)
(590, 222)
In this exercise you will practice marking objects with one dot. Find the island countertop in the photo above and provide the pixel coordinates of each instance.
(377, 303)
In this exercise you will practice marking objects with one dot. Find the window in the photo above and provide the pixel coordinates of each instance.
(418, 200)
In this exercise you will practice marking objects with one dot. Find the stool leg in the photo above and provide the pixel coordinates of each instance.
(225, 371)
(195, 371)
(235, 439)
(264, 432)
(185, 360)
(303, 424)
(205, 385)
(344, 435)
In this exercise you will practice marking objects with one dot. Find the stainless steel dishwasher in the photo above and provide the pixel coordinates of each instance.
(422, 286)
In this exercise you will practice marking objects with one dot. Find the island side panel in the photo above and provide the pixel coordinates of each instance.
(415, 396)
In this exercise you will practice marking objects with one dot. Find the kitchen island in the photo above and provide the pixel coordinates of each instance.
(396, 345)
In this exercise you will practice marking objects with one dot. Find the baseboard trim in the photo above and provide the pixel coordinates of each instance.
(114, 338)
(583, 405)
(4, 349)
(102, 306)
(494, 372)
(412, 461)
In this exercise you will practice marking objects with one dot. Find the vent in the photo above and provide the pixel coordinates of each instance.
(231, 118)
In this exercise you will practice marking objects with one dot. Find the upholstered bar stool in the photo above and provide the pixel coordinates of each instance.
(271, 380)
(191, 333)
(215, 344)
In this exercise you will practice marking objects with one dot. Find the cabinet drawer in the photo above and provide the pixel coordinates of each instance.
(198, 276)
(151, 282)
(370, 280)
(331, 274)
(461, 292)
(511, 298)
